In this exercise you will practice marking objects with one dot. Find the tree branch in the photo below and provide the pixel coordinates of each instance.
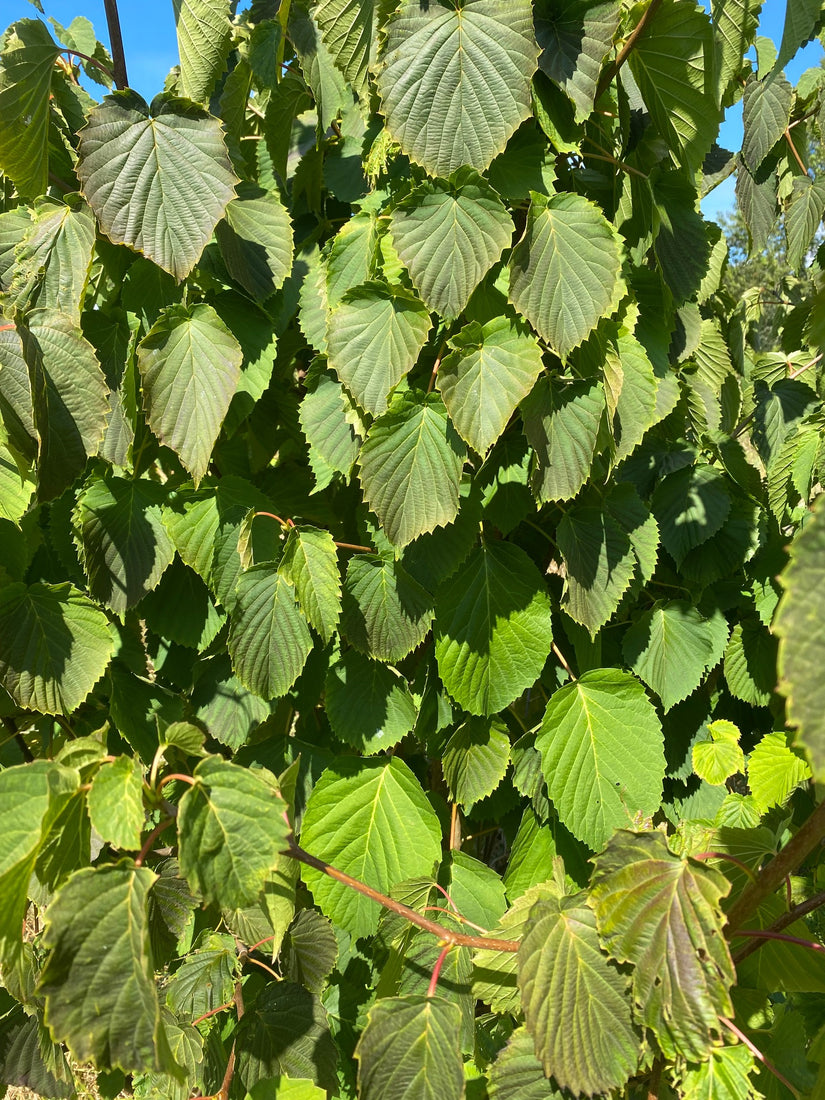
(609, 75)
(116, 40)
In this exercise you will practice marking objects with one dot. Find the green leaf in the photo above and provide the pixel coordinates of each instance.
(600, 563)
(668, 64)
(386, 614)
(410, 467)
(348, 28)
(445, 69)
(123, 156)
(15, 490)
(204, 31)
(255, 239)
(370, 819)
(448, 235)
(802, 219)
(750, 663)
(602, 754)
(691, 505)
(329, 89)
(575, 36)
(735, 24)
(635, 405)
(310, 564)
(766, 114)
(672, 646)
(368, 705)
(70, 397)
(310, 950)
(800, 24)
(774, 770)
(124, 545)
(16, 395)
(374, 336)
(231, 830)
(181, 609)
(561, 422)
(116, 802)
(190, 365)
(717, 760)
(574, 1000)
(103, 1003)
(26, 67)
(517, 1074)
(55, 645)
(724, 1076)
(662, 914)
(410, 1049)
(475, 760)
(490, 369)
(564, 272)
(494, 631)
(205, 979)
(799, 625)
(31, 1060)
(332, 424)
(53, 263)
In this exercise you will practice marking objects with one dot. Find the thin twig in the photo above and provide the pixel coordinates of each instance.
(213, 1012)
(91, 61)
(612, 70)
(563, 661)
(177, 775)
(263, 966)
(612, 160)
(439, 962)
(766, 934)
(116, 40)
(807, 366)
(7, 328)
(436, 365)
(791, 917)
(795, 151)
(356, 547)
(272, 515)
(150, 840)
(757, 1053)
(456, 916)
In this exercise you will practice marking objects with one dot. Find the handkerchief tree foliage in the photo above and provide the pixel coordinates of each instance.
(412, 571)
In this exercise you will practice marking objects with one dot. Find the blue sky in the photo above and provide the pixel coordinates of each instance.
(151, 50)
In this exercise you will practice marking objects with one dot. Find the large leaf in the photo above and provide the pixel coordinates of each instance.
(600, 562)
(255, 238)
(575, 37)
(269, 639)
(53, 263)
(574, 1000)
(517, 1074)
(386, 613)
(774, 770)
(310, 564)
(204, 30)
(410, 467)
(668, 63)
(125, 547)
(410, 1050)
(662, 914)
(800, 626)
(455, 82)
(564, 272)
(370, 819)
(671, 646)
(190, 364)
(26, 68)
(373, 338)
(55, 645)
(494, 631)
(70, 398)
(602, 754)
(157, 184)
(561, 422)
(487, 373)
(103, 1003)
(231, 830)
(448, 236)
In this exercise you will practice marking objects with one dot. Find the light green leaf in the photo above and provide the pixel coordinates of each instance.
(124, 546)
(663, 915)
(52, 264)
(410, 1049)
(103, 1003)
(331, 423)
(16, 395)
(672, 646)
(564, 272)
(205, 979)
(476, 889)
(310, 564)
(55, 645)
(774, 770)
(70, 396)
(410, 467)
(231, 830)
(724, 1076)
(269, 640)
(766, 114)
(348, 28)
(475, 760)
(370, 819)
(602, 754)
(750, 663)
(635, 406)
(575, 36)
(26, 68)
(517, 1073)
(494, 631)
(204, 31)
(15, 490)
(561, 422)
(386, 614)
(691, 505)
(574, 1000)
(374, 336)
(116, 802)
(803, 218)
(717, 760)
(489, 371)
(455, 82)
(368, 705)
(351, 257)
(255, 239)
(448, 235)
(668, 62)
(600, 562)
(190, 364)
(158, 185)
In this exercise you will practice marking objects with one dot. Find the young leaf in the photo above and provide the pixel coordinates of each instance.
(386, 614)
(602, 754)
(493, 632)
(370, 819)
(717, 760)
(231, 830)
(116, 802)
(410, 1048)
(774, 770)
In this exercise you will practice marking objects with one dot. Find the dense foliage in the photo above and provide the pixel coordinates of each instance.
(411, 576)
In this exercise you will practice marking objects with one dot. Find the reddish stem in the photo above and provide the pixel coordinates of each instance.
(213, 1012)
(177, 775)
(786, 919)
(150, 840)
(730, 859)
(766, 934)
(757, 1053)
(439, 962)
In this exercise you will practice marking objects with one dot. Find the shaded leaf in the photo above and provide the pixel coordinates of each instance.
(475, 760)
(368, 704)
(386, 613)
